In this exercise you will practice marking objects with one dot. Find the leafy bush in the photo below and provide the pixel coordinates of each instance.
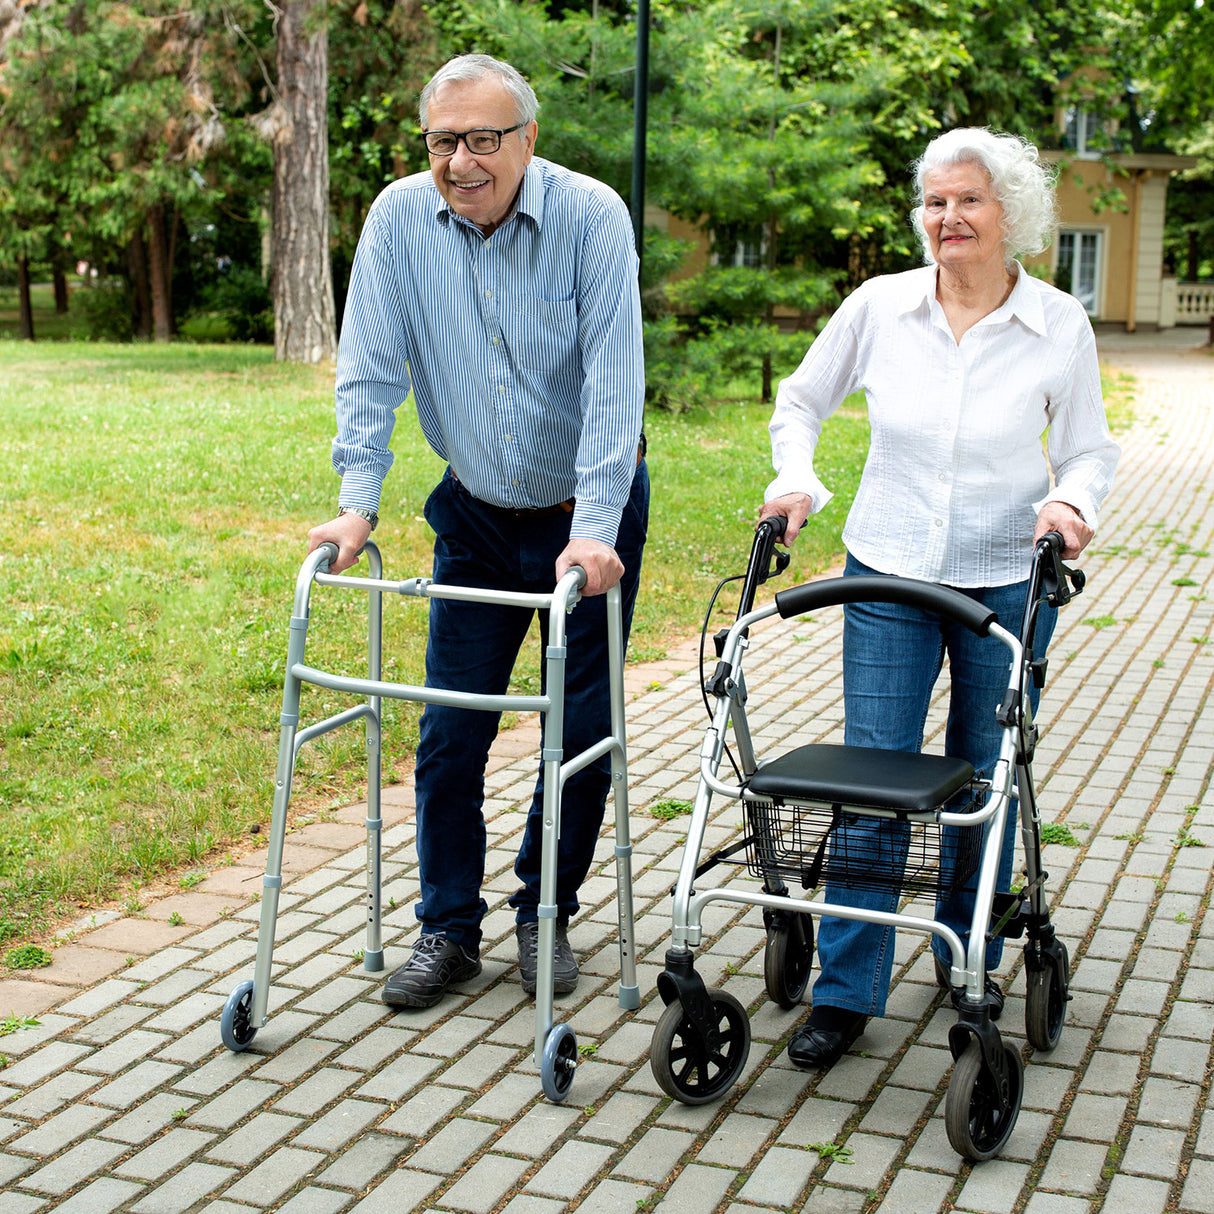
(242, 300)
(106, 307)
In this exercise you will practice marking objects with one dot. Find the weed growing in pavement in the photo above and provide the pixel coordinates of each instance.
(669, 809)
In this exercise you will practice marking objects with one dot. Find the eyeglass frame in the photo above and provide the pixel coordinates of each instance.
(518, 126)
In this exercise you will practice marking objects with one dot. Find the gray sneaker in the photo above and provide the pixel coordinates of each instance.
(436, 964)
(564, 965)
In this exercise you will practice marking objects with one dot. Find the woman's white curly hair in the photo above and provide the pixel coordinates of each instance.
(1022, 185)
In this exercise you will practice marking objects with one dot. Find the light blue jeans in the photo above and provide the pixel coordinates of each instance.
(892, 656)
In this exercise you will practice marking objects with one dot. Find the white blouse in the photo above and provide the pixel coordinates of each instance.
(956, 469)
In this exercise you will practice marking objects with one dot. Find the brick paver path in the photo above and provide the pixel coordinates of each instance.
(123, 1099)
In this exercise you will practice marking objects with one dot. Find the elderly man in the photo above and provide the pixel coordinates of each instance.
(502, 289)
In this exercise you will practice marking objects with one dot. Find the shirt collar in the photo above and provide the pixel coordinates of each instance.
(918, 290)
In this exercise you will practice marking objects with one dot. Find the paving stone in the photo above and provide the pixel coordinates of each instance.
(1074, 1167)
(656, 1156)
(316, 1201)
(697, 1188)
(64, 1172)
(186, 1189)
(101, 1197)
(226, 1109)
(918, 1191)
(364, 1160)
(779, 1177)
(1198, 1192)
(283, 1168)
(482, 1187)
(573, 1167)
(164, 1155)
(252, 1140)
(61, 1130)
(1153, 1151)
(612, 1196)
(450, 1148)
(57, 1091)
(134, 1084)
(1137, 1193)
(20, 1203)
(404, 1189)
(535, 1132)
(31, 1070)
(332, 1131)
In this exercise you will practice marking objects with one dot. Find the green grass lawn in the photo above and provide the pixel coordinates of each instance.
(154, 508)
(155, 504)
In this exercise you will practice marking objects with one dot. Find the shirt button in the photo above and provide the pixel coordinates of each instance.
(943, 476)
(514, 482)
(497, 341)
(939, 522)
(509, 437)
(488, 294)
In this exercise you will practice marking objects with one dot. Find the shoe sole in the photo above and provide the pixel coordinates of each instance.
(559, 986)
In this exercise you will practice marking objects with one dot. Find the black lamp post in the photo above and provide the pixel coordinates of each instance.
(640, 124)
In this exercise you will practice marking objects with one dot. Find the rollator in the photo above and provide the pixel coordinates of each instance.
(805, 812)
(556, 1049)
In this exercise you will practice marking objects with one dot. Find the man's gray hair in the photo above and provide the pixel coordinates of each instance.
(478, 67)
(1021, 184)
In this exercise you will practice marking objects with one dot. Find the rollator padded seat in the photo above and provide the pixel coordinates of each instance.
(862, 776)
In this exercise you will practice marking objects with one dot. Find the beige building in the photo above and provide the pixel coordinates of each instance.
(1111, 257)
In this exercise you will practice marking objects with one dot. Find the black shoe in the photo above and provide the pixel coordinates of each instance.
(564, 965)
(436, 964)
(817, 1047)
(994, 993)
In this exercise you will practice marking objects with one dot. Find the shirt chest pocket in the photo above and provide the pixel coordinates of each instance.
(541, 334)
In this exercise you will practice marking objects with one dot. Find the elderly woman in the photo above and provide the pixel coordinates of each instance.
(965, 364)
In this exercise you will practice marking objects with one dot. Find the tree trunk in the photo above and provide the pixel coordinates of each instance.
(158, 259)
(137, 272)
(60, 280)
(305, 328)
(24, 305)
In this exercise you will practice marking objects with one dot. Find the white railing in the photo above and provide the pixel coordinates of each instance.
(1194, 303)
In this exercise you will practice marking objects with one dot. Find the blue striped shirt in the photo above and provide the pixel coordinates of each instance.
(523, 349)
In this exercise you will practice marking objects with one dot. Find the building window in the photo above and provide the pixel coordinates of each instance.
(1085, 134)
(750, 252)
(1079, 267)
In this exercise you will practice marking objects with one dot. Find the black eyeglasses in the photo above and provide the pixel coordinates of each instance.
(483, 141)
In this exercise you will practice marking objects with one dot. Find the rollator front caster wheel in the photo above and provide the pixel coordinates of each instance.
(977, 1122)
(236, 1026)
(1045, 1002)
(690, 1069)
(788, 956)
(558, 1062)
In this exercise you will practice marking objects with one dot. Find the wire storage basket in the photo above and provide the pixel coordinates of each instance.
(812, 844)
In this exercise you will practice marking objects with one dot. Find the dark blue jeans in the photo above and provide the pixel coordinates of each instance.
(472, 647)
(892, 656)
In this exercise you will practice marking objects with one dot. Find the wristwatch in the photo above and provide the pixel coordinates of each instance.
(369, 515)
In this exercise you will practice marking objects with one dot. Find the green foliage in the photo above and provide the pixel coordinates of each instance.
(27, 957)
(669, 809)
(105, 308)
(241, 298)
(13, 1023)
(1058, 832)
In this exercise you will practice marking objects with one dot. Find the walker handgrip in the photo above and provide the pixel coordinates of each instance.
(869, 588)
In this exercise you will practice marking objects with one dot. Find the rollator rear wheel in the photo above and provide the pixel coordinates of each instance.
(690, 1069)
(788, 957)
(1045, 1003)
(236, 1026)
(976, 1124)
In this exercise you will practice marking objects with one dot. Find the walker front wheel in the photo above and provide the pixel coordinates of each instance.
(558, 1062)
(977, 1117)
(690, 1068)
(236, 1027)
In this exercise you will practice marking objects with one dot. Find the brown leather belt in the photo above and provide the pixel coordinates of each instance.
(565, 507)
